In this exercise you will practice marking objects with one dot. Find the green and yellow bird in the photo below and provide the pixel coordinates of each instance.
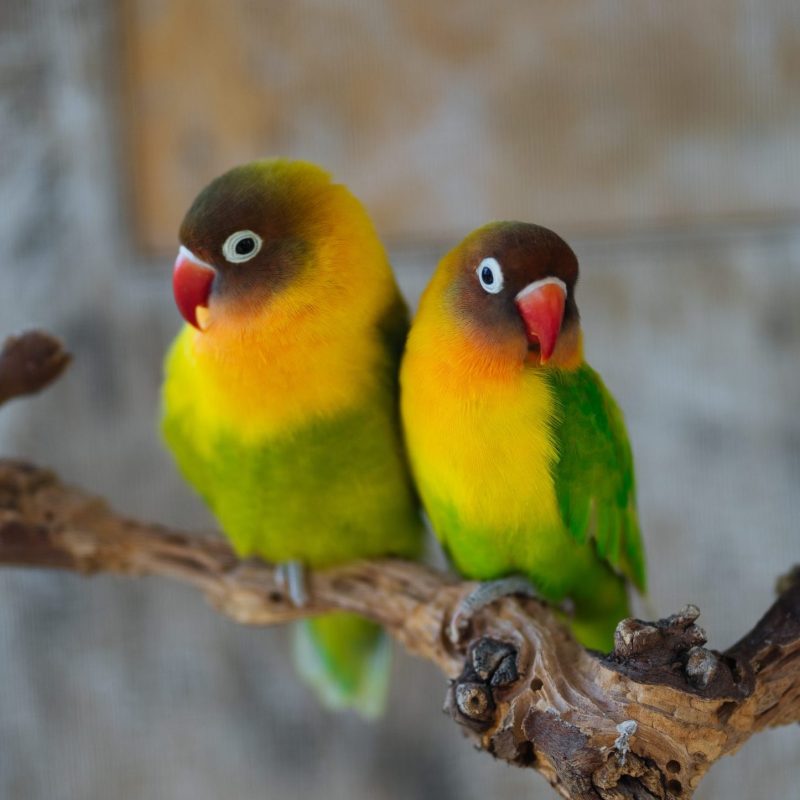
(519, 452)
(280, 396)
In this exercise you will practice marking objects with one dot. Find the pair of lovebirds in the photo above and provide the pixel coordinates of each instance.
(280, 405)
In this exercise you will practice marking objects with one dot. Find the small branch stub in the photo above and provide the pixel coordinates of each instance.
(29, 362)
(490, 664)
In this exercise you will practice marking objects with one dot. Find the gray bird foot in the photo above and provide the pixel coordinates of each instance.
(483, 595)
(291, 577)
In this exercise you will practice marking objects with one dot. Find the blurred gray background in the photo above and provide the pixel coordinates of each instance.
(660, 138)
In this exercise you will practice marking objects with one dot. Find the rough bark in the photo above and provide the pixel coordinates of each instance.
(646, 721)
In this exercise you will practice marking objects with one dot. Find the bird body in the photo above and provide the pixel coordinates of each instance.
(280, 397)
(523, 468)
(322, 489)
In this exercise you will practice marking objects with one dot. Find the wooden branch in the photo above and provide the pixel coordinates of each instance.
(646, 721)
(46, 524)
(30, 362)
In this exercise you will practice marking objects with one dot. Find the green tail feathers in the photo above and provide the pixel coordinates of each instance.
(347, 660)
(598, 613)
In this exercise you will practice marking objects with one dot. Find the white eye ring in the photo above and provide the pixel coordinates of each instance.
(236, 240)
(490, 275)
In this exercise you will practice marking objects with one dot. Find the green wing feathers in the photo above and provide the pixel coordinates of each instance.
(594, 475)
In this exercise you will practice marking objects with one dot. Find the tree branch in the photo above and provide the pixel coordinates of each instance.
(647, 721)
(46, 524)
(29, 362)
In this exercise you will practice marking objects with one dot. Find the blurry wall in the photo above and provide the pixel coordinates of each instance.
(588, 114)
(657, 136)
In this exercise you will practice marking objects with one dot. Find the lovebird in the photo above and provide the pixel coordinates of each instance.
(280, 396)
(519, 452)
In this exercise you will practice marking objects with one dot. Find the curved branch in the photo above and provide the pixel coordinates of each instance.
(646, 721)
(44, 523)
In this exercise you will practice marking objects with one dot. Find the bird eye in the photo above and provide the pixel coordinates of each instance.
(241, 246)
(490, 274)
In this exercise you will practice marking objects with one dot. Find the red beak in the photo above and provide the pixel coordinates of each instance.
(541, 306)
(191, 284)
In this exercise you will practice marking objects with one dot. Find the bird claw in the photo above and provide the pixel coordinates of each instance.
(483, 595)
(291, 577)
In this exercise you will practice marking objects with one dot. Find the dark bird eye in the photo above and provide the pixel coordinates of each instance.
(245, 246)
(490, 275)
(241, 246)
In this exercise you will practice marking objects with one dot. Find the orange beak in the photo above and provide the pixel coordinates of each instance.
(541, 306)
(191, 284)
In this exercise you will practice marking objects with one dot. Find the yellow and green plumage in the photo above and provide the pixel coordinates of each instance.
(282, 411)
(523, 468)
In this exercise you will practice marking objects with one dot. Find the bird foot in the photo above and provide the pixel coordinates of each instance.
(483, 595)
(291, 577)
